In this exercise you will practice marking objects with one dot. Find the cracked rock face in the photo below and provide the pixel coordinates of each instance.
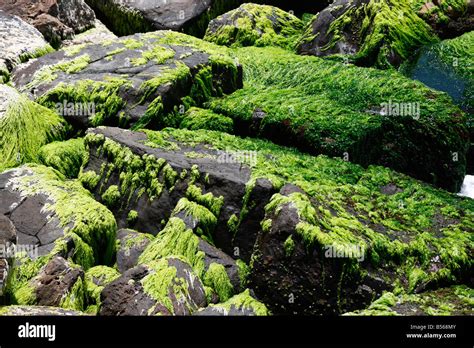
(56, 20)
(18, 41)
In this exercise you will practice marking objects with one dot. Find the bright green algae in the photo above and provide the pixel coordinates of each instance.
(242, 302)
(65, 156)
(96, 278)
(24, 128)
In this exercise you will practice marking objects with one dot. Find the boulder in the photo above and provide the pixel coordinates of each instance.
(370, 33)
(94, 35)
(58, 284)
(366, 116)
(132, 245)
(165, 287)
(35, 311)
(19, 41)
(191, 16)
(144, 176)
(25, 126)
(52, 214)
(318, 256)
(134, 81)
(452, 301)
(56, 19)
(243, 304)
(255, 25)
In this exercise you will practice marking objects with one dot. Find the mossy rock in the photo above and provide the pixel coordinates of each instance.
(255, 25)
(24, 127)
(23, 42)
(168, 286)
(190, 16)
(366, 116)
(140, 80)
(131, 246)
(354, 248)
(456, 300)
(413, 235)
(54, 214)
(243, 304)
(381, 33)
(448, 18)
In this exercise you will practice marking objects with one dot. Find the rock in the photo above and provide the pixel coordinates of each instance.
(165, 287)
(24, 127)
(318, 257)
(340, 110)
(448, 20)
(243, 304)
(381, 34)
(191, 16)
(56, 19)
(22, 311)
(59, 284)
(204, 187)
(132, 245)
(96, 278)
(64, 156)
(255, 25)
(44, 208)
(19, 41)
(218, 271)
(456, 300)
(134, 81)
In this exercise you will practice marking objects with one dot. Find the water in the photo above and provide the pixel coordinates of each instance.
(467, 189)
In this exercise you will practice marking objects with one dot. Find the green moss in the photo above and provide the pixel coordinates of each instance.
(440, 11)
(74, 299)
(196, 118)
(158, 54)
(258, 25)
(214, 204)
(207, 220)
(96, 279)
(24, 128)
(66, 157)
(89, 179)
(36, 54)
(244, 271)
(216, 277)
(289, 246)
(132, 217)
(112, 196)
(49, 73)
(243, 301)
